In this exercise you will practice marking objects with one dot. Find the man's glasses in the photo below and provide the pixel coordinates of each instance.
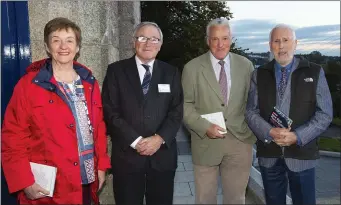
(143, 39)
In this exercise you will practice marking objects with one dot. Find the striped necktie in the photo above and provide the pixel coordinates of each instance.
(223, 81)
(146, 79)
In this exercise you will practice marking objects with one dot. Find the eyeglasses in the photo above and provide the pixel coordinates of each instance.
(143, 39)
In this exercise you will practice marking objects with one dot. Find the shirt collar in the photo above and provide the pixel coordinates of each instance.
(216, 61)
(139, 62)
(287, 67)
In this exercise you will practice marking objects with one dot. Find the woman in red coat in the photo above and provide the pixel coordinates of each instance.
(55, 118)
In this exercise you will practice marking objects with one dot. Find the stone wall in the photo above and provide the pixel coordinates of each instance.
(107, 28)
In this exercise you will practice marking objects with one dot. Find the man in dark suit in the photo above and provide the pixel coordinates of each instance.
(143, 109)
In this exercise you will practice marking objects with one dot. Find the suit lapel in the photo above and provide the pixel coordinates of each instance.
(233, 73)
(134, 78)
(210, 77)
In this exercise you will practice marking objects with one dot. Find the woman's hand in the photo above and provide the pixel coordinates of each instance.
(35, 192)
(101, 179)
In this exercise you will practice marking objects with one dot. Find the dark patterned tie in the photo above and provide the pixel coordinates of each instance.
(282, 82)
(223, 81)
(146, 79)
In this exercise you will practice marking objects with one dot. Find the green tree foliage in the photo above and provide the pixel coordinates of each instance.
(183, 24)
(316, 57)
(334, 82)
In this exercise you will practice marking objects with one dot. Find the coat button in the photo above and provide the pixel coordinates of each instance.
(225, 119)
(147, 117)
(223, 105)
(75, 163)
(50, 101)
(45, 161)
(71, 125)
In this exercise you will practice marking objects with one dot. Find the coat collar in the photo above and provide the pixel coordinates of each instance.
(45, 74)
(299, 63)
(209, 75)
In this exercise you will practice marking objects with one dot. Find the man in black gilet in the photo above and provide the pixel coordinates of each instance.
(283, 90)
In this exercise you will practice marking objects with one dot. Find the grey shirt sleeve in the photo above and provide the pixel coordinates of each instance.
(260, 127)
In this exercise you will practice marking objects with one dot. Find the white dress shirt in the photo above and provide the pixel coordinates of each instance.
(142, 71)
(217, 67)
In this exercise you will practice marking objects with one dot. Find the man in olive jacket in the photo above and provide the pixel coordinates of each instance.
(218, 81)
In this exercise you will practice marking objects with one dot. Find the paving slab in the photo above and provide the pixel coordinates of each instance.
(188, 166)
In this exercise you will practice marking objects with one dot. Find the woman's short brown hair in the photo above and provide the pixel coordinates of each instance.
(61, 23)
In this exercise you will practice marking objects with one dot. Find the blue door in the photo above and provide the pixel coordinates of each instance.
(15, 57)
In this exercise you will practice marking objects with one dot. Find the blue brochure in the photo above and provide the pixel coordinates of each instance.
(279, 119)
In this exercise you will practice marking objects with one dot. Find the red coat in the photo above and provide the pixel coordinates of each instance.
(39, 127)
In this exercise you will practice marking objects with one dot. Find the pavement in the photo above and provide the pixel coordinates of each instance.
(327, 177)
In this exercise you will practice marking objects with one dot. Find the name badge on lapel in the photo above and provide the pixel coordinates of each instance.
(307, 80)
(164, 88)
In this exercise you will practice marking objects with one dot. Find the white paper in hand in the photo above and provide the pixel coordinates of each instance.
(45, 176)
(216, 118)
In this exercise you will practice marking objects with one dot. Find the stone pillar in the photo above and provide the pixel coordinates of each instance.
(129, 13)
(107, 28)
(98, 21)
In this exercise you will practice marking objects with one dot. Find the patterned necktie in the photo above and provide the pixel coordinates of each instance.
(282, 82)
(146, 79)
(223, 81)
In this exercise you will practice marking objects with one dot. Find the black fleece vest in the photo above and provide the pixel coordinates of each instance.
(302, 107)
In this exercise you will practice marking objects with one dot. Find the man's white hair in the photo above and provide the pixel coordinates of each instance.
(218, 21)
(285, 26)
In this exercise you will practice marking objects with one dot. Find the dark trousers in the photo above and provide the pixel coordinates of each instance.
(86, 192)
(156, 186)
(301, 185)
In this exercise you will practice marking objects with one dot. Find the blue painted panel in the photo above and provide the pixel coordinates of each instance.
(15, 57)
(23, 35)
(9, 69)
(15, 47)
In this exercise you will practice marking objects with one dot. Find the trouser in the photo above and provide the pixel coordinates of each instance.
(156, 186)
(234, 170)
(301, 185)
(86, 192)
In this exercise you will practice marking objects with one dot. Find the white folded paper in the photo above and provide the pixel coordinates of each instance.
(45, 176)
(216, 118)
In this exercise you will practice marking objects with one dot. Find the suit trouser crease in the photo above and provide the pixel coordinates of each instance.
(156, 186)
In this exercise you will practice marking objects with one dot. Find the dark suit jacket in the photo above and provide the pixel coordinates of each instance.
(128, 114)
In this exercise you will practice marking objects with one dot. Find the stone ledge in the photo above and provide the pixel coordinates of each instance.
(330, 154)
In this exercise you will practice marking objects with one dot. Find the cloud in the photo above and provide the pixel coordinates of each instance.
(254, 34)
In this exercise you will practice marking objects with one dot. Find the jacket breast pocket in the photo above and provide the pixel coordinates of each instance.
(164, 94)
